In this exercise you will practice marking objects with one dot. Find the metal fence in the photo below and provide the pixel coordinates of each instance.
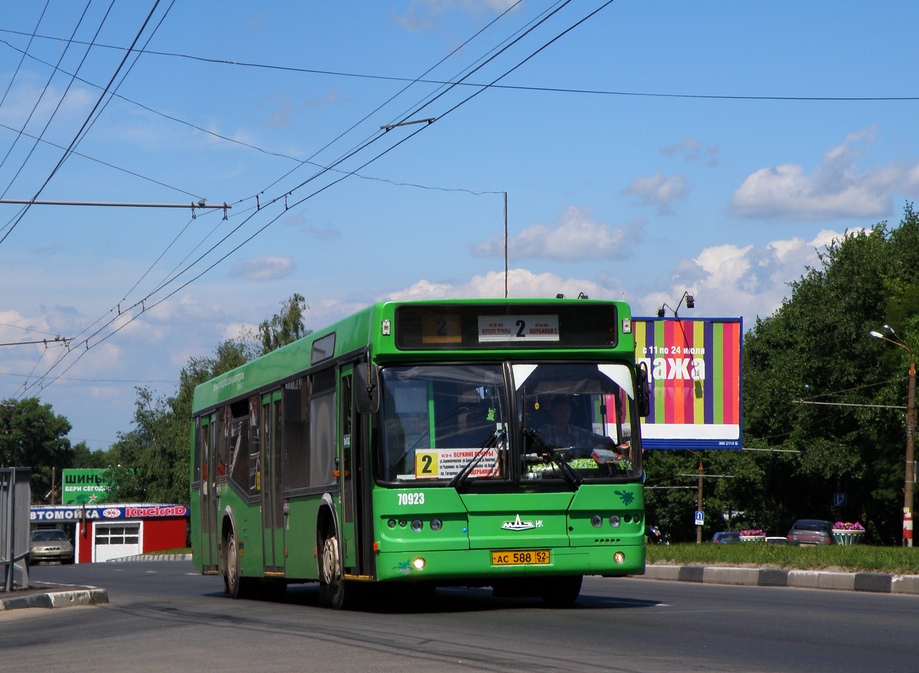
(15, 508)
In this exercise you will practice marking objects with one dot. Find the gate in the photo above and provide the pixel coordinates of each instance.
(15, 507)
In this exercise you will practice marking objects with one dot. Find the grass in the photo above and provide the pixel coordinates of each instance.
(840, 558)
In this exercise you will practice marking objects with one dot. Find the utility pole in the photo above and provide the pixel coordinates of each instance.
(909, 477)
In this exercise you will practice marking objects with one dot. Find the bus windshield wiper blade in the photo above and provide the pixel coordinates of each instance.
(460, 477)
(547, 452)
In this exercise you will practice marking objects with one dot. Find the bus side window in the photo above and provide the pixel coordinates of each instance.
(297, 435)
(238, 444)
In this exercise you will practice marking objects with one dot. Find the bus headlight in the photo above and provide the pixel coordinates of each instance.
(436, 524)
(417, 525)
(596, 521)
(614, 521)
(418, 563)
(619, 558)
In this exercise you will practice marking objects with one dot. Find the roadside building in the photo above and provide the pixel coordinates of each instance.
(110, 531)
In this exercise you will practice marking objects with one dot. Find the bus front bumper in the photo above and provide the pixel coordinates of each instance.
(481, 565)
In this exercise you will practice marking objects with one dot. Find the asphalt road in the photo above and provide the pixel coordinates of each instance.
(164, 616)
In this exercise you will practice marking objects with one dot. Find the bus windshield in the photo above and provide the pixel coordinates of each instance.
(560, 423)
(436, 419)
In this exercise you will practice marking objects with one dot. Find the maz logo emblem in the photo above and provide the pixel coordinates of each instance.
(517, 524)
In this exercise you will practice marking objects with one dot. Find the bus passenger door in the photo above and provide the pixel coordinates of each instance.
(349, 473)
(207, 434)
(272, 508)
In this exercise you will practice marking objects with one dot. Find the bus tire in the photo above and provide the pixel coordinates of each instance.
(235, 584)
(332, 586)
(559, 592)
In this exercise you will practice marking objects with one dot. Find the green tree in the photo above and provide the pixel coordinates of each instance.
(32, 435)
(284, 327)
(814, 382)
(86, 459)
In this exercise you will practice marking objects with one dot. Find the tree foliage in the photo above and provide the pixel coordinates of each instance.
(32, 435)
(285, 327)
(824, 399)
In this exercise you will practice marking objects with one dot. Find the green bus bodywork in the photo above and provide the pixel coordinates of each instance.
(409, 443)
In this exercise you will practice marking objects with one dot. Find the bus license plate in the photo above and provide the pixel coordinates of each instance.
(520, 558)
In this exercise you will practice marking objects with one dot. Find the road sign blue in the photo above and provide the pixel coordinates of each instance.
(700, 518)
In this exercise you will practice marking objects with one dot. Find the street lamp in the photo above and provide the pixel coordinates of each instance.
(690, 303)
(910, 476)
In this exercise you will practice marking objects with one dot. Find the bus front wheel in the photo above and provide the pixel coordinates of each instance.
(332, 585)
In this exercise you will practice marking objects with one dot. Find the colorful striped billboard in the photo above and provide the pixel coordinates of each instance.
(694, 368)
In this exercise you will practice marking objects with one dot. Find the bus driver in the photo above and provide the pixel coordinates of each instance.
(561, 434)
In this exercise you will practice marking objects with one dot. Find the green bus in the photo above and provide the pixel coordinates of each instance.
(482, 443)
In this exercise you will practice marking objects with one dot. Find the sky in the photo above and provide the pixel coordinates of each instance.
(365, 151)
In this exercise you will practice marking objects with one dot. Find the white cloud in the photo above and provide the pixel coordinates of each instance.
(692, 150)
(730, 280)
(521, 283)
(266, 267)
(837, 188)
(659, 191)
(426, 15)
(573, 236)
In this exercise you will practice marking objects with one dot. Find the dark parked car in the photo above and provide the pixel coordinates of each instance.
(726, 537)
(811, 531)
(50, 545)
(655, 535)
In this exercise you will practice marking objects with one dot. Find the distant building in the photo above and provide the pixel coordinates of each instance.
(112, 531)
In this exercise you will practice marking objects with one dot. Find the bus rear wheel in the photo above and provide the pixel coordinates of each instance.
(235, 584)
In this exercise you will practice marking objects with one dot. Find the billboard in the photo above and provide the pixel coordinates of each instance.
(84, 487)
(694, 370)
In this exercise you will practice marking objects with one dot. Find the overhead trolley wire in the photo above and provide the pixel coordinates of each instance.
(22, 58)
(150, 300)
(511, 87)
(87, 123)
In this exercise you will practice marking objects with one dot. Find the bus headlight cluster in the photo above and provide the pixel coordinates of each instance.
(417, 525)
(615, 520)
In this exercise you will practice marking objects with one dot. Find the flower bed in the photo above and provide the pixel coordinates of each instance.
(846, 533)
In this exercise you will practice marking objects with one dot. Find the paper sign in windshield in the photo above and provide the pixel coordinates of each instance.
(447, 463)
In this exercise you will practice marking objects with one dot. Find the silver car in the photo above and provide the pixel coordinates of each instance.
(811, 531)
(50, 545)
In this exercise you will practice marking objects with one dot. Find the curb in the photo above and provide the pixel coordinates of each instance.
(68, 596)
(151, 557)
(802, 579)
(56, 597)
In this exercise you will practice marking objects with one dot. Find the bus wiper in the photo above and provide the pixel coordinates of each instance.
(547, 452)
(460, 477)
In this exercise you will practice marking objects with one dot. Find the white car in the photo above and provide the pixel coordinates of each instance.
(50, 545)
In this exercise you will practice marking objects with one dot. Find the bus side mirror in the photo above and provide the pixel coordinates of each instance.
(643, 396)
(366, 388)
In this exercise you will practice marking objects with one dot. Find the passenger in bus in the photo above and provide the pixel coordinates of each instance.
(561, 433)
